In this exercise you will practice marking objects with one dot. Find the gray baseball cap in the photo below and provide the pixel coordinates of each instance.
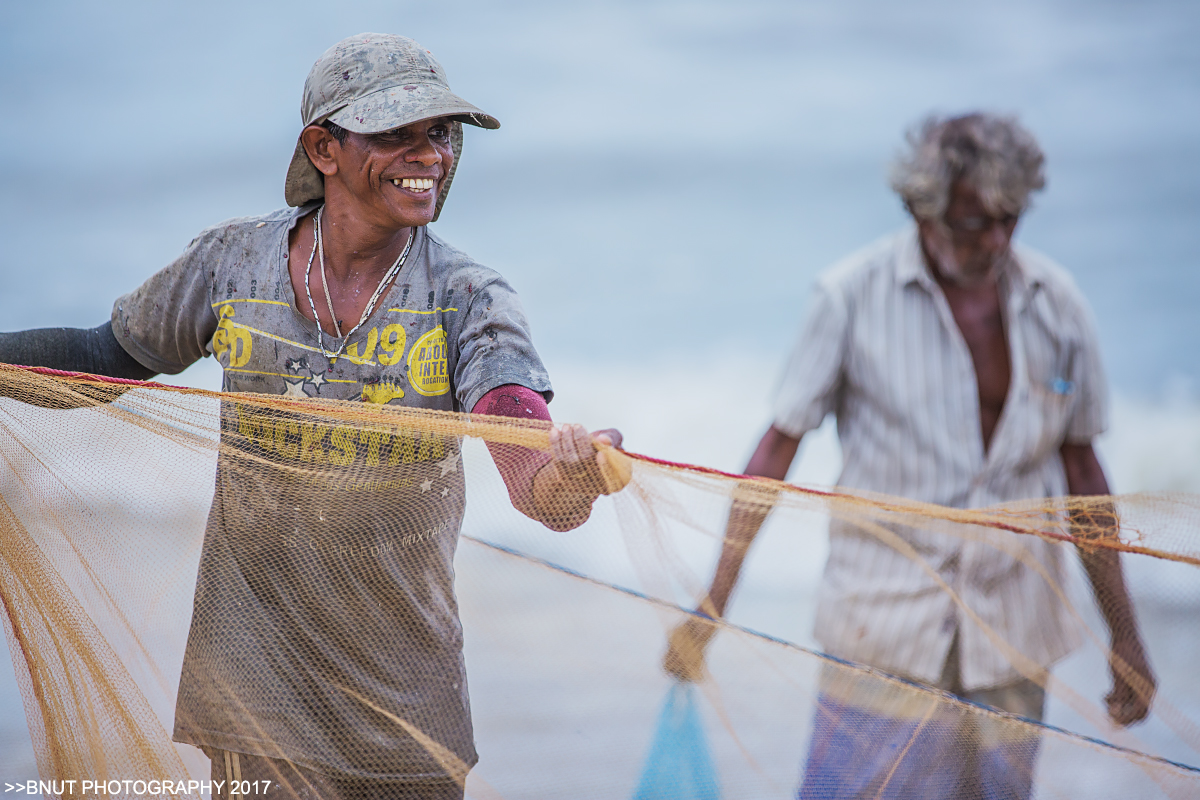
(370, 83)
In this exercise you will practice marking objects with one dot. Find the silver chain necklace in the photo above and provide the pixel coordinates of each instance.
(389, 276)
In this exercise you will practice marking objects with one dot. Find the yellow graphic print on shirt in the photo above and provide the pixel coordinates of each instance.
(339, 445)
(428, 372)
(382, 393)
(230, 338)
(390, 341)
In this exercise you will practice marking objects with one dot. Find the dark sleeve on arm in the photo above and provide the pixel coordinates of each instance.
(518, 465)
(162, 326)
(93, 350)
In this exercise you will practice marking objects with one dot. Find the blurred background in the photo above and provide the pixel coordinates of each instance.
(668, 180)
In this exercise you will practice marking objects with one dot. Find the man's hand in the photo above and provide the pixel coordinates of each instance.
(581, 460)
(559, 487)
(582, 467)
(1133, 680)
(685, 649)
(1134, 683)
(771, 459)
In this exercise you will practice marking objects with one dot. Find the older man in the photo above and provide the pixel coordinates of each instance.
(325, 650)
(963, 371)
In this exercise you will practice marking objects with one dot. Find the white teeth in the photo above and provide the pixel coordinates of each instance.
(415, 184)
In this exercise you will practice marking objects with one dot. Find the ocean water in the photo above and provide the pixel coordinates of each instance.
(668, 180)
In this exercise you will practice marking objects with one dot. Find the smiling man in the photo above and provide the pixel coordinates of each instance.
(322, 618)
(963, 371)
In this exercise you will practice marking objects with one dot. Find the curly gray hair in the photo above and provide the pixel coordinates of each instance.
(994, 154)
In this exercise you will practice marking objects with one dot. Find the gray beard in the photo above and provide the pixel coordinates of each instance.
(949, 268)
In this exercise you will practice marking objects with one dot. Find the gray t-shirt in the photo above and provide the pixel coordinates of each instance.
(325, 594)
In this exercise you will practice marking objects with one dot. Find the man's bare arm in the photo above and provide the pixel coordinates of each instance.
(1133, 680)
(772, 459)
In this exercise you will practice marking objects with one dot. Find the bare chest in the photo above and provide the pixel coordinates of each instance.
(980, 320)
(323, 297)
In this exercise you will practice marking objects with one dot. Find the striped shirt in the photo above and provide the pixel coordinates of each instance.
(880, 349)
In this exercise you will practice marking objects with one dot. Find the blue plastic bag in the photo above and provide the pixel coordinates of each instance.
(679, 766)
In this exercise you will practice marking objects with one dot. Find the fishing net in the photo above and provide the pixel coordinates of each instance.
(182, 563)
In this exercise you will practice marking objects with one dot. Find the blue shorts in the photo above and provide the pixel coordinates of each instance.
(877, 738)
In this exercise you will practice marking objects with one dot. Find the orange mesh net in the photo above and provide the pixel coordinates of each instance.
(186, 575)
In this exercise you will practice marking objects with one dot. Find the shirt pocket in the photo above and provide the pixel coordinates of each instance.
(1047, 404)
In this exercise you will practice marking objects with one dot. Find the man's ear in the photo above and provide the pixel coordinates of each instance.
(321, 148)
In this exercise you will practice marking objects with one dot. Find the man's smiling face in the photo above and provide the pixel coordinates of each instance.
(393, 178)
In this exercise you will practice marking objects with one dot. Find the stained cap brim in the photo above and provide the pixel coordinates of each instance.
(398, 106)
